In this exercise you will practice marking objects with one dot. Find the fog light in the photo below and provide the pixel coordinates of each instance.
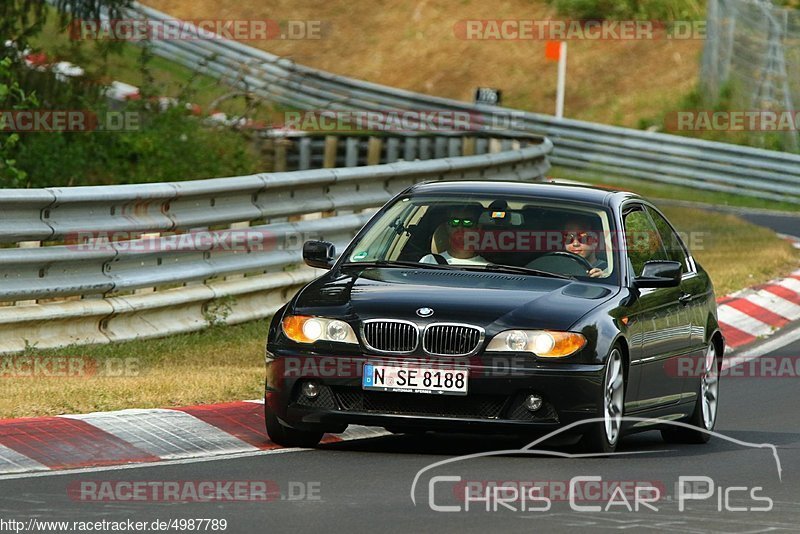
(310, 390)
(533, 402)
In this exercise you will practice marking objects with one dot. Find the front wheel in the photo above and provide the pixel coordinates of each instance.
(287, 436)
(704, 416)
(603, 436)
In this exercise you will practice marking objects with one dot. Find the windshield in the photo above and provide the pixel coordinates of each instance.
(491, 233)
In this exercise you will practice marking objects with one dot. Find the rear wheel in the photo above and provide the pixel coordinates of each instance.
(287, 436)
(704, 416)
(604, 435)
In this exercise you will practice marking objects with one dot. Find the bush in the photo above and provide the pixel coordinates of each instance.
(630, 9)
(168, 146)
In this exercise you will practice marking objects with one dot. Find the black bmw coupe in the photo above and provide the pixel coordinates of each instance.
(504, 308)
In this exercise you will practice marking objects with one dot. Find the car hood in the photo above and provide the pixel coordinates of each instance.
(491, 300)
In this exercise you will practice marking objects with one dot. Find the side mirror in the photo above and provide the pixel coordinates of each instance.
(659, 273)
(319, 254)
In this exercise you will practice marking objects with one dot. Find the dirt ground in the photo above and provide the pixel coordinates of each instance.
(413, 45)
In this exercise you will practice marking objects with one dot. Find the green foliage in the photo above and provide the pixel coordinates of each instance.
(168, 146)
(12, 97)
(792, 4)
(727, 100)
(20, 20)
(91, 9)
(154, 146)
(630, 9)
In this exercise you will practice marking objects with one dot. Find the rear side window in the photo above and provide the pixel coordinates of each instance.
(672, 242)
(642, 240)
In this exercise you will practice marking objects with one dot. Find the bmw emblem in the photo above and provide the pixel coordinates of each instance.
(425, 312)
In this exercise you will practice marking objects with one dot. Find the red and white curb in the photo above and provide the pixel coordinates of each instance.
(141, 436)
(759, 311)
(794, 240)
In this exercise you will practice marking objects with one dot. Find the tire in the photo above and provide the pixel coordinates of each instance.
(603, 436)
(287, 436)
(704, 415)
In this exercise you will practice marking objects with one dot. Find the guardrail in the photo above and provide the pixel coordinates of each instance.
(584, 146)
(109, 263)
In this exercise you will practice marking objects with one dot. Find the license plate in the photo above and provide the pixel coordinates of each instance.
(406, 379)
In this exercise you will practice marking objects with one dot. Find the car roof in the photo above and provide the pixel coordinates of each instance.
(549, 190)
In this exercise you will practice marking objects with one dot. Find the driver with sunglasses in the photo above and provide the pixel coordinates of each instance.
(579, 241)
(458, 222)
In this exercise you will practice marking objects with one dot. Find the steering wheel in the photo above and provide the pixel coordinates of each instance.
(581, 262)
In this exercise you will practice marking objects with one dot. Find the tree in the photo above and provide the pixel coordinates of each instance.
(16, 98)
(20, 20)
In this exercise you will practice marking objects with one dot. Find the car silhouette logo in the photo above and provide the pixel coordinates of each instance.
(425, 312)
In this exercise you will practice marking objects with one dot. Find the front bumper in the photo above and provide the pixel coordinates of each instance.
(494, 403)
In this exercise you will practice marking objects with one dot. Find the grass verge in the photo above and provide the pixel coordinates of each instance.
(218, 364)
(654, 191)
(719, 244)
(226, 363)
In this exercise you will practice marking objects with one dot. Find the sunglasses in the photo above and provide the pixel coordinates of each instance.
(582, 237)
(466, 223)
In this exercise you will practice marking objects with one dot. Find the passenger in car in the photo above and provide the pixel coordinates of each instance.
(459, 221)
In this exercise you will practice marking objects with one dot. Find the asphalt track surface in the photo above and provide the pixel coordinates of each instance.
(787, 223)
(366, 485)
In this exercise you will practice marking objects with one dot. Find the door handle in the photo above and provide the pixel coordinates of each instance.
(685, 298)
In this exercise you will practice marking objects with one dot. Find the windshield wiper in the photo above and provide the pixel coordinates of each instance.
(397, 263)
(526, 270)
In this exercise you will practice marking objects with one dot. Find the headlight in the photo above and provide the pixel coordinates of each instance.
(305, 329)
(544, 343)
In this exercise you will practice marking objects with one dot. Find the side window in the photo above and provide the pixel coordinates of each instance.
(672, 243)
(642, 240)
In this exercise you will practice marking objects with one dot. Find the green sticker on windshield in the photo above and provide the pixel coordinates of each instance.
(360, 255)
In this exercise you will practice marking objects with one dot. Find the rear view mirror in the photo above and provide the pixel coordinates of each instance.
(319, 254)
(657, 273)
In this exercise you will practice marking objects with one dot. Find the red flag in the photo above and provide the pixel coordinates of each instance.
(552, 50)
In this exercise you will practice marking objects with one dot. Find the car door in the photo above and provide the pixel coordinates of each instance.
(694, 295)
(660, 323)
